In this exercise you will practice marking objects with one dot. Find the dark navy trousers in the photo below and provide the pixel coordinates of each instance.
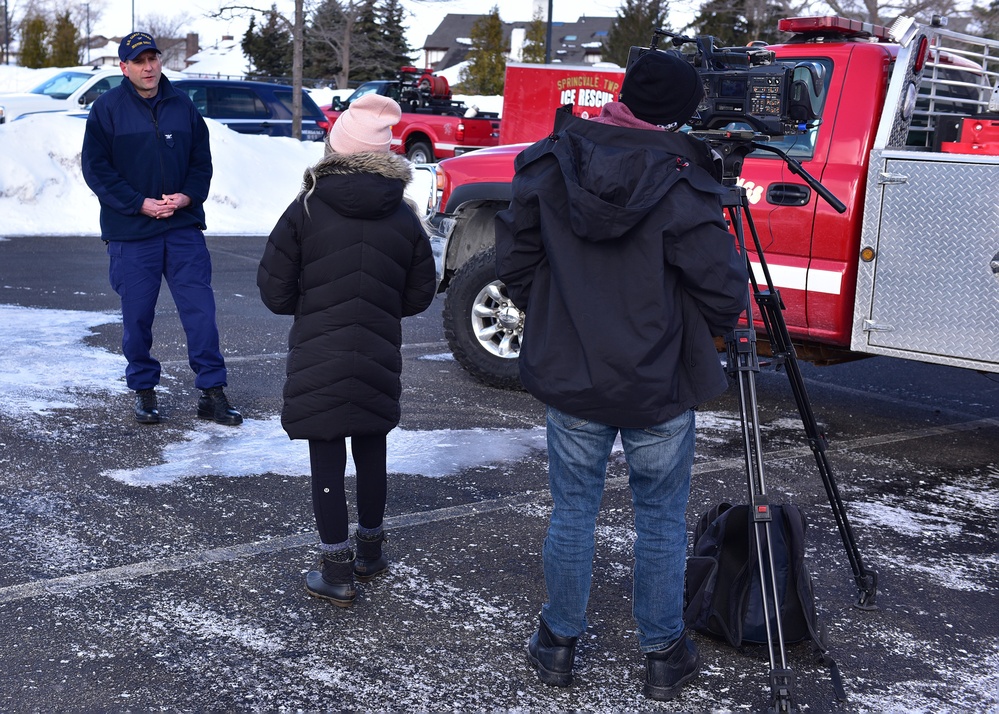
(136, 271)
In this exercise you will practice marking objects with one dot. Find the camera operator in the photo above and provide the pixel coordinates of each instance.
(615, 246)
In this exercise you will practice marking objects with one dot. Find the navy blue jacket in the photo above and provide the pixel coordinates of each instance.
(135, 149)
(615, 246)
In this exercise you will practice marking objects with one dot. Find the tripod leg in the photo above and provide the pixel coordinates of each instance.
(772, 317)
(743, 364)
(865, 578)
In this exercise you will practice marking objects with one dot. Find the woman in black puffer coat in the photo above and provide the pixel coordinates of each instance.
(349, 259)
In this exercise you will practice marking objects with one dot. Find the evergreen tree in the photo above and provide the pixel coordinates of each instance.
(392, 21)
(367, 60)
(66, 43)
(735, 23)
(378, 43)
(536, 38)
(636, 19)
(322, 56)
(487, 57)
(34, 48)
(270, 50)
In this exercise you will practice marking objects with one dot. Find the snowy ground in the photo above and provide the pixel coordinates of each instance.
(42, 191)
(145, 569)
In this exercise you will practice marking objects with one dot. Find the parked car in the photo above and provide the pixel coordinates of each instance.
(254, 107)
(244, 106)
(69, 90)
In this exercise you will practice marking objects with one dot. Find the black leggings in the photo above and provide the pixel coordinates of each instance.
(329, 501)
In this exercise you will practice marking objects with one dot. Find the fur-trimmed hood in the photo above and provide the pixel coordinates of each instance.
(363, 185)
(386, 164)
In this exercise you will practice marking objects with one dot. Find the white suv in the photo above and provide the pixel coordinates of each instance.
(69, 89)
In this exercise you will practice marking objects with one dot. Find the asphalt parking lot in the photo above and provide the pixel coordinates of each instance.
(161, 568)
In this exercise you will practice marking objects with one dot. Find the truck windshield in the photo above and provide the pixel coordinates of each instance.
(388, 89)
(61, 85)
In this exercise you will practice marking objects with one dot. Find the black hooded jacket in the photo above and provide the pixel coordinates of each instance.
(349, 269)
(615, 246)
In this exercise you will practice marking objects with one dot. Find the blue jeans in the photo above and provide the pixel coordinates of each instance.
(136, 271)
(659, 464)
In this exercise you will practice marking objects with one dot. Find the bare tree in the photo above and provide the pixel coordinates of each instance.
(170, 34)
(886, 12)
(165, 26)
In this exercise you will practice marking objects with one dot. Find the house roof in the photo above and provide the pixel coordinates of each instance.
(571, 41)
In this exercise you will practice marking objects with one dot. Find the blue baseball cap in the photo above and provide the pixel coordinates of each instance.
(135, 44)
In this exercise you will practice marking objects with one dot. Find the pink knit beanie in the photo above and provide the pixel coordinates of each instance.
(365, 126)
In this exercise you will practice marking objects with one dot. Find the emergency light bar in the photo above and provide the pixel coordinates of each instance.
(831, 25)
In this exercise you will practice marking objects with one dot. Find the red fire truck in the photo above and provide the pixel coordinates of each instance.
(433, 125)
(904, 138)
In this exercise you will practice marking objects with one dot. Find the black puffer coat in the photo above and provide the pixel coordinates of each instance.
(349, 269)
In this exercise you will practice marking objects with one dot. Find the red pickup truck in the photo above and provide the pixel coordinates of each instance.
(906, 138)
(433, 126)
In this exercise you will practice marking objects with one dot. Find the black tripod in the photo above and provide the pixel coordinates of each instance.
(743, 364)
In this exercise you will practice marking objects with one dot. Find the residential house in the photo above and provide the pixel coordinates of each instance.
(577, 43)
(102, 51)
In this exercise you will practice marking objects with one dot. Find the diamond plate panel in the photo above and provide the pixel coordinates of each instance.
(932, 291)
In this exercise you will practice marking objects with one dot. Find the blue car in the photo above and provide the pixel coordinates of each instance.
(254, 107)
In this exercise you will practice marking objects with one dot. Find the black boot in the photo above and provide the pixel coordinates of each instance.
(552, 656)
(334, 581)
(145, 407)
(666, 671)
(370, 562)
(213, 404)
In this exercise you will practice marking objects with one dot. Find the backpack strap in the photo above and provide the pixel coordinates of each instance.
(796, 524)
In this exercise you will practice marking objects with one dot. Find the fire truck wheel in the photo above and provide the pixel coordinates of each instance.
(420, 153)
(483, 327)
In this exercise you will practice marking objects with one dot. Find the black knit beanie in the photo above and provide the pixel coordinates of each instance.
(662, 88)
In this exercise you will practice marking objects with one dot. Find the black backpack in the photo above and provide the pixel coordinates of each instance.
(722, 595)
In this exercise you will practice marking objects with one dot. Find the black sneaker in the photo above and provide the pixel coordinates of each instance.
(145, 407)
(551, 656)
(666, 671)
(213, 404)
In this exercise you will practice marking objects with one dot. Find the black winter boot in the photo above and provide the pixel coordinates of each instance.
(370, 562)
(666, 671)
(214, 404)
(334, 581)
(145, 407)
(552, 656)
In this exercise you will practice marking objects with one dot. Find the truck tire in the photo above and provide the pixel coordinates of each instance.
(420, 153)
(483, 328)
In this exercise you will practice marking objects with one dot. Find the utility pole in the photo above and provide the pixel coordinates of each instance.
(6, 34)
(88, 32)
(548, 35)
(297, 41)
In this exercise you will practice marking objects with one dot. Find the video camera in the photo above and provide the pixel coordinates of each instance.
(746, 85)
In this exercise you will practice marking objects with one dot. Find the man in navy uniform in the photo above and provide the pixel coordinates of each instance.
(146, 155)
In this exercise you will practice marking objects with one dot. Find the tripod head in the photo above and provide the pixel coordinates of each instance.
(732, 146)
